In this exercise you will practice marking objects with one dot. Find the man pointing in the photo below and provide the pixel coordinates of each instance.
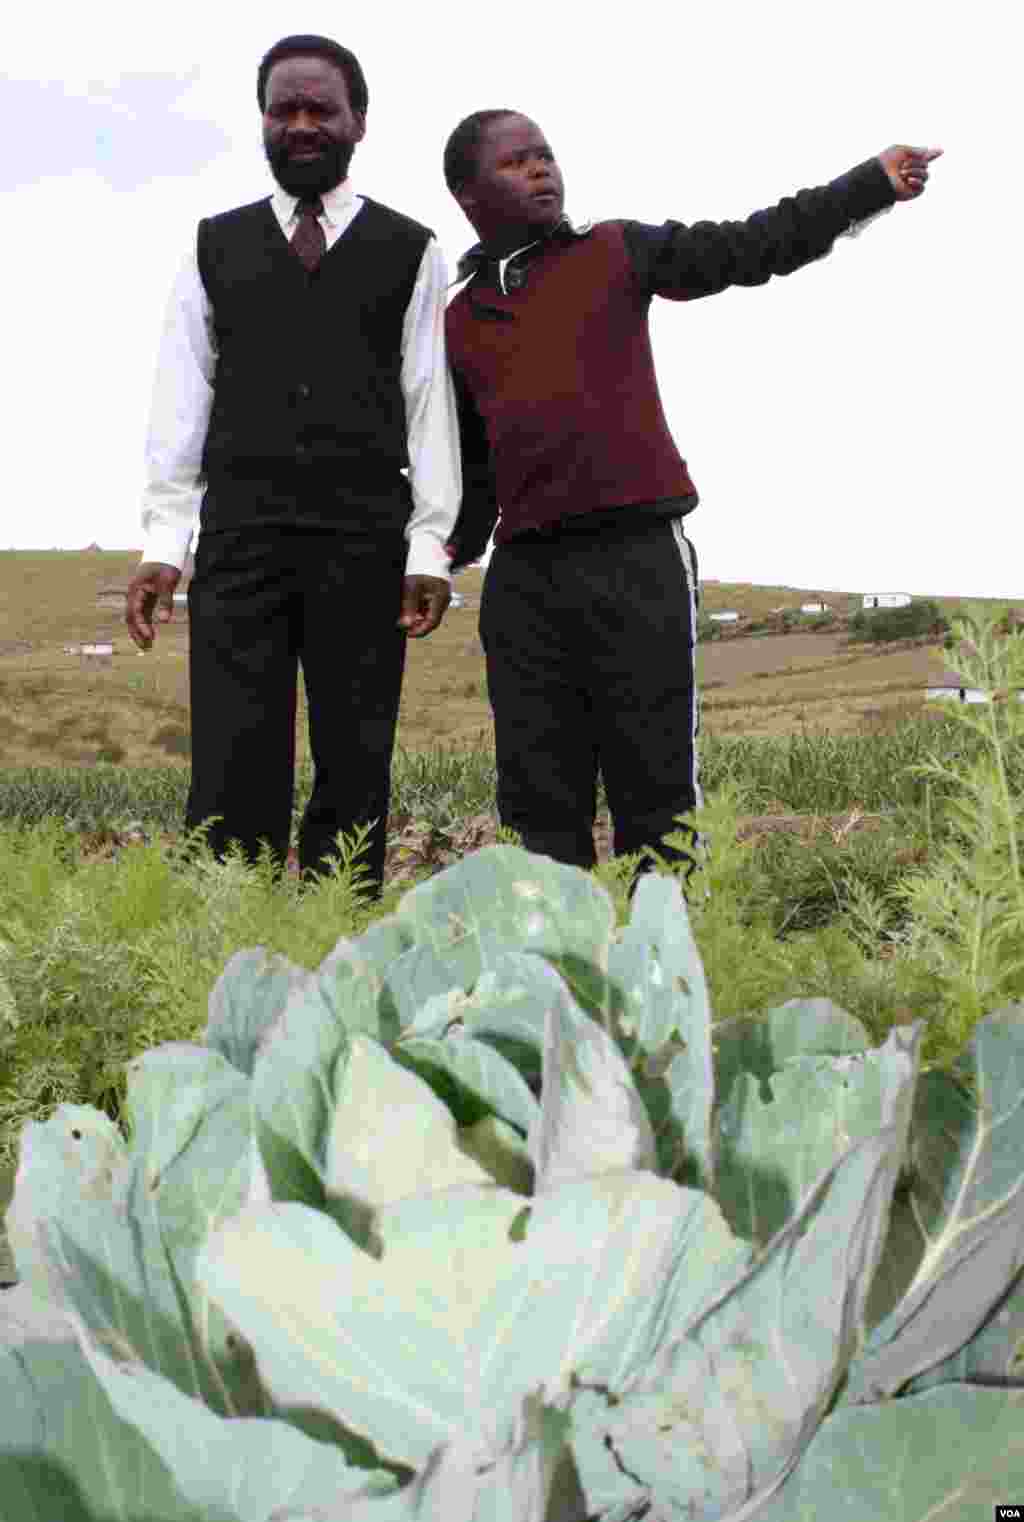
(301, 370)
(588, 613)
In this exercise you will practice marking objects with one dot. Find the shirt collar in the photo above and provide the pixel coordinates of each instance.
(336, 202)
(476, 259)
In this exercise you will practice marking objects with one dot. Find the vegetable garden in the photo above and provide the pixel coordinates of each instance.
(520, 1201)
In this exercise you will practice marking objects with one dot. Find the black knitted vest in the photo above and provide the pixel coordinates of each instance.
(307, 384)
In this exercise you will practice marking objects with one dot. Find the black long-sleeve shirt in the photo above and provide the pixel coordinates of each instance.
(560, 417)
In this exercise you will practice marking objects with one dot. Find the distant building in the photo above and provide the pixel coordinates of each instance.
(93, 548)
(886, 599)
(814, 607)
(951, 685)
(963, 694)
(728, 617)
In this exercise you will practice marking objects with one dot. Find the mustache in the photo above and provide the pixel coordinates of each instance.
(318, 174)
(282, 152)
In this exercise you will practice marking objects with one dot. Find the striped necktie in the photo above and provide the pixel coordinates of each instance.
(308, 240)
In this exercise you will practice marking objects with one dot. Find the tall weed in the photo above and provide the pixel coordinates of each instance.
(966, 913)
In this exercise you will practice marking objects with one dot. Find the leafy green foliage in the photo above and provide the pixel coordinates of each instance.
(100, 959)
(966, 914)
(812, 772)
(483, 1217)
(921, 616)
(707, 629)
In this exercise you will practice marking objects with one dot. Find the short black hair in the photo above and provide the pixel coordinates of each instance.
(317, 47)
(463, 147)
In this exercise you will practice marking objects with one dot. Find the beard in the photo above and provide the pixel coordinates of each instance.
(313, 177)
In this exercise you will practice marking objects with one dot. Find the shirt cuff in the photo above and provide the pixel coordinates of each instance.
(427, 556)
(166, 544)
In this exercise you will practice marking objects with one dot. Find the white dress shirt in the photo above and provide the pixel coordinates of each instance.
(183, 396)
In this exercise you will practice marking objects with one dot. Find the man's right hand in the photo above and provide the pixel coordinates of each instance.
(152, 586)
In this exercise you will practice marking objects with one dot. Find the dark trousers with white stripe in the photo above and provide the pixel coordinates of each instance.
(589, 640)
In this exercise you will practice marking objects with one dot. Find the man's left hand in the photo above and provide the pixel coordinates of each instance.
(424, 599)
(907, 168)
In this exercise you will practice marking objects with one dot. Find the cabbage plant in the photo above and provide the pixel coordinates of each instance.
(484, 1220)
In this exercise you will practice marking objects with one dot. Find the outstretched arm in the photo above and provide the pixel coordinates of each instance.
(683, 262)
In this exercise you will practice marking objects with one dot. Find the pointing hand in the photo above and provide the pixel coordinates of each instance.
(907, 168)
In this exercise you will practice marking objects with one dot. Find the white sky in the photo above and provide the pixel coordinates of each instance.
(853, 426)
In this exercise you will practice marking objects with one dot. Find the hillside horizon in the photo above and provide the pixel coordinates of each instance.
(724, 587)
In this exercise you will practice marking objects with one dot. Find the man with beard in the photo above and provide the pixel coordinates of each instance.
(588, 615)
(301, 372)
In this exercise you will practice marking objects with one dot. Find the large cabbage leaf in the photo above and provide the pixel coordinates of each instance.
(950, 1455)
(248, 1467)
(301, 1089)
(354, 978)
(505, 899)
(390, 1136)
(77, 1154)
(518, 1474)
(666, 1023)
(591, 1118)
(87, 1439)
(734, 1396)
(379, 1346)
(609, 1266)
(419, 977)
(247, 1000)
(508, 1009)
(479, 1073)
(294, 1079)
(761, 1044)
(770, 1153)
(966, 1204)
(64, 1451)
(476, 1300)
(123, 1256)
(994, 1355)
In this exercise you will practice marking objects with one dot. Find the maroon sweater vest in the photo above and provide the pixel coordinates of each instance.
(567, 390)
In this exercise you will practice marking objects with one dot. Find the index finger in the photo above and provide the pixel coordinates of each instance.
(927, 154)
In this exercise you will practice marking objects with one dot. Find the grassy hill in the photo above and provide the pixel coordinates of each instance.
(57, 708)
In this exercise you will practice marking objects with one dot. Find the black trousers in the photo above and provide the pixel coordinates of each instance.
(261, 601)
(589, 640)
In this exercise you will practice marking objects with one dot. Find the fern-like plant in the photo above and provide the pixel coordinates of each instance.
(967, 909)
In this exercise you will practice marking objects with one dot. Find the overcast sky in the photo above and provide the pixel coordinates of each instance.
(854, 426)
